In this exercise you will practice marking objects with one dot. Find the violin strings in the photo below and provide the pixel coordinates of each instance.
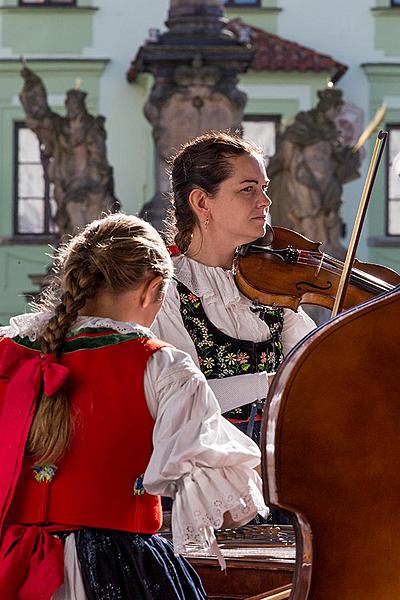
(335, 266)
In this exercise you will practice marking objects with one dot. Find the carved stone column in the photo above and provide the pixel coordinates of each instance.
(195, 65)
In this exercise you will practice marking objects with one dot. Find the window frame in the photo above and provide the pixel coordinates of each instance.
(46, 234)
(48, 4)
(241, 4)
(390, 127)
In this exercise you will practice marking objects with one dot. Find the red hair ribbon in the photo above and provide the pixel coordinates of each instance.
(25, 372)
(173, 250)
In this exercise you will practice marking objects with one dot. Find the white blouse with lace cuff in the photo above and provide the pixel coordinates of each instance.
(230, 312)
(199, 459)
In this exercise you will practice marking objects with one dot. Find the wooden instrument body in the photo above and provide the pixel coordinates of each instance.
(311, 280)
(331, 454)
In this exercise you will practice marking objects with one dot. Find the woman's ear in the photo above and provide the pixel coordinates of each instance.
(199, 202)
(151, 291)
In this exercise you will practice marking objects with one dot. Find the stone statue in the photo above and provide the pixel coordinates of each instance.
(308, 172)
(195, 65)
(76, 148)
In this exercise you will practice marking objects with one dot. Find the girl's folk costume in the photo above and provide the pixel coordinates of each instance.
(233, 341)
(145, 423)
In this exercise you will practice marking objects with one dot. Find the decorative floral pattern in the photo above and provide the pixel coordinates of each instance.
(44, 473)
(138, 489)
(223, 356)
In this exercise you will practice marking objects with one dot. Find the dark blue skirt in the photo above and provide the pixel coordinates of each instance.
(118, 565)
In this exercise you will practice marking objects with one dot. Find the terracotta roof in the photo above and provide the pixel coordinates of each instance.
(273, 53)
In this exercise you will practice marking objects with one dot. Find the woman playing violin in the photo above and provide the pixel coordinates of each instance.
(220, 202)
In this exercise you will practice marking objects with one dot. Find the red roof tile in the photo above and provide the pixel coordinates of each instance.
(273, 53)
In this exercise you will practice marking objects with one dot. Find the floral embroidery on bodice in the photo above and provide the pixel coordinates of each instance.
(221, 355)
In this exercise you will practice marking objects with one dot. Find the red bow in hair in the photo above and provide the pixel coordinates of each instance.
(173, 250)
(25, 372)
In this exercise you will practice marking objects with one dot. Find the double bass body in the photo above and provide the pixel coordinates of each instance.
(331, 454)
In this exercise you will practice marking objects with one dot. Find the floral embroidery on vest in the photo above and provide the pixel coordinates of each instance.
(44, 473)
(138, 489)
(223, 356)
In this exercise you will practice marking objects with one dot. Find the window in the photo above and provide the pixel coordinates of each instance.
(242, 2)
(34, 207)
(47, 2)
(262, 130)
(393, 182)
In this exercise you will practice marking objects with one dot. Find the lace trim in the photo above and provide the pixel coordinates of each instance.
(31, 325)
(198, 528)
(120, 326)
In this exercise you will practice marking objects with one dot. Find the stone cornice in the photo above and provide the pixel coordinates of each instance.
(388, 69)
(383, 241)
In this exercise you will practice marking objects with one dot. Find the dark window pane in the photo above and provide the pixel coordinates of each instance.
(31, 215)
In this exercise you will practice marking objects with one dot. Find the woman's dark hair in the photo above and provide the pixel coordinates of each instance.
(201, 163)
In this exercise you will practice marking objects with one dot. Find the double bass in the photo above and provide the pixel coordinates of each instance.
(331, 454)
(331, 448)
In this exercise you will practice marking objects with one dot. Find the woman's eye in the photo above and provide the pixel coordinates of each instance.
(248, 189)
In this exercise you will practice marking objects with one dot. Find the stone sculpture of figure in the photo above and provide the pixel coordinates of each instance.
(308, 172)
(76, 148)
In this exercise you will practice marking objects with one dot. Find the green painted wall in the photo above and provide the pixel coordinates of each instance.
(387, 30)
(35, 30)
(281, 93)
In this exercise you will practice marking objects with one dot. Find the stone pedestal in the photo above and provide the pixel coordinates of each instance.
(195, 65)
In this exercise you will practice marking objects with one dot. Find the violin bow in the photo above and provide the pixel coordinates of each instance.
(359, 221)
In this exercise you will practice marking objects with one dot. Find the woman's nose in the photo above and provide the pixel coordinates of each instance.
(265, 200)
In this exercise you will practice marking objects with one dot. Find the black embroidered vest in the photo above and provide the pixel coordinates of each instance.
(223, 356)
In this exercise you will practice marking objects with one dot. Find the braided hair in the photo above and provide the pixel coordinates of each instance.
(200, 163)
(116, 253)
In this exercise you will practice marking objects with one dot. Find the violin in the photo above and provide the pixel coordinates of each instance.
(292, 270)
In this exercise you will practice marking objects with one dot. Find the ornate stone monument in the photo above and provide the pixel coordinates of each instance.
(195, 65)
(76, 148)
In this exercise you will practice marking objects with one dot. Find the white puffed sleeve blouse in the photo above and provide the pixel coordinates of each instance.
(230, 312)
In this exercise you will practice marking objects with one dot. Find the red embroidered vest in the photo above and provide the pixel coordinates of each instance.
(111, 443)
